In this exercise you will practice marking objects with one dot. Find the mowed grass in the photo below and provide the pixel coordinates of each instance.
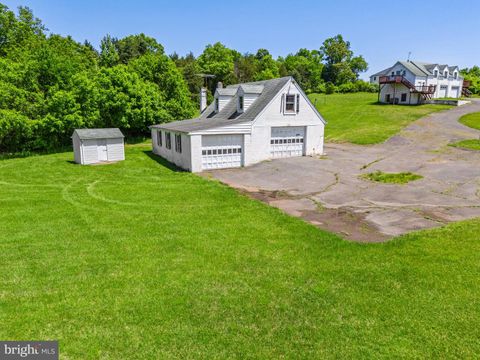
(138, 261)
(359, 119)
(471, 144)
(471, 120)
(391, 178)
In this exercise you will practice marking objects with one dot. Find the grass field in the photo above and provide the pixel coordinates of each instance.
(357, 118)
(471, 120)
(138, 261)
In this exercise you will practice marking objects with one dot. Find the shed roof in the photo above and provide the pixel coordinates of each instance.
(229, 115)
(108, 133)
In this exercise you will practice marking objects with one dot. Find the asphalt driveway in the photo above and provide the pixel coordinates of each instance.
(328, 192)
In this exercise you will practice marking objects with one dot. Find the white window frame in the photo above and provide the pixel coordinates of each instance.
(178, 143)
(168, 140)
(293, 102)
(159, 138)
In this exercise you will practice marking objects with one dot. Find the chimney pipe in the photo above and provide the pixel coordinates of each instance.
(203, 99)
(219, 85)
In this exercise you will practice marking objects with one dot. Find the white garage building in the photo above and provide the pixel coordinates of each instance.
(246, 123)
(92, 146)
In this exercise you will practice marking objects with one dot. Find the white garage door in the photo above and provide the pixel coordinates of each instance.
(443, 91)
(455, 92)
(287, 141)
(222, 151)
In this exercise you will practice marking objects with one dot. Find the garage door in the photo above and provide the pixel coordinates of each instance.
(455, 92)
(287, 141)
(443, 91)
(222, 151)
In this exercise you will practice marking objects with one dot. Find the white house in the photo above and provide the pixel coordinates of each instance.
(92, 146)
(245, 124)
(414, 82)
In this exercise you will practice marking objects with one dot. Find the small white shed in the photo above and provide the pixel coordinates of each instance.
(92, 146)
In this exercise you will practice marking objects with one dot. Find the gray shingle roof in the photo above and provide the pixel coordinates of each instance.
(228, 115)
(227, 91)
(252, 89)
(109, 133)
(383, 72)
(419, 68)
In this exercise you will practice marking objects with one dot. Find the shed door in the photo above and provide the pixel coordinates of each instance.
(222, 151)
(102, 150)
(287, 141)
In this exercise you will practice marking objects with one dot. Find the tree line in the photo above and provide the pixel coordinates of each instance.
(52, 84)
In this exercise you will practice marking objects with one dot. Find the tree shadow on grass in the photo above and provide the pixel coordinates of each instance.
(162, 161)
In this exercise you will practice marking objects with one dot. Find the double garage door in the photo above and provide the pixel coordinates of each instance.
(287, 141)
(222, 151)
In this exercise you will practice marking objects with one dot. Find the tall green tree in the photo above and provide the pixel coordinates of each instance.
(219, 60)
(133, 46)
(108, 52)
(341, 65)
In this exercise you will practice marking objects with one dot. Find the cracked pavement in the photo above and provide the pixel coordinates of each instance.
(449, 190)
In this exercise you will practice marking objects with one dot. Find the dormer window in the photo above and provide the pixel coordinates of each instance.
(455, 75)
(445, 74)
(435, 73)
(217, 104)
(240, 103)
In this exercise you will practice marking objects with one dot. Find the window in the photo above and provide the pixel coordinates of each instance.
(387, 98)
(298, 103)
(435, 73)
(168, 141)
(445, 74)
(374, 78)
(159, 138)
(240, 103)
(178, 143)
(455, 75)
(217, 104)
(403, 97)
(290, 103)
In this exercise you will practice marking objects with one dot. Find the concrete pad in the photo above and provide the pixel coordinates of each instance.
(449, 190)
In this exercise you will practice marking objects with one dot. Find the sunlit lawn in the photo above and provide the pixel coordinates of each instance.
(138, 261)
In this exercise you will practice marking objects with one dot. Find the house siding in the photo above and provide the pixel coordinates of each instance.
(115, 149)
(183, 159)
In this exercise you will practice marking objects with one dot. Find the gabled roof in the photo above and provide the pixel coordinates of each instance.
(419, 68)
(108, 133)
(383, 72)
(229, 115)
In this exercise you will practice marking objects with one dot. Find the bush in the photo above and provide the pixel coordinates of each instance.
(15, 131)
(330, 88)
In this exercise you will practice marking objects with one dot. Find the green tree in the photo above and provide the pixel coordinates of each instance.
(306, 67)
(267, 67)
(134, 46)
(108, 52)
(219, 60)
(340, 64)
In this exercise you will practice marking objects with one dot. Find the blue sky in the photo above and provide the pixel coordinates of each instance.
(382, 31)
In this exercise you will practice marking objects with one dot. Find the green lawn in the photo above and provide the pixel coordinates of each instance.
(471, 120)
(359, 119)
(137, 261)
(392, 178)
(472, 144)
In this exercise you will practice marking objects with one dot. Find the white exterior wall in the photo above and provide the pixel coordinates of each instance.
(115, 149)
(257, 146)
(223, 100)
(89, 151)
(183, 159)
(77, 150)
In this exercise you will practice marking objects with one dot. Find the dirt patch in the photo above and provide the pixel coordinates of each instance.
(344, 222)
